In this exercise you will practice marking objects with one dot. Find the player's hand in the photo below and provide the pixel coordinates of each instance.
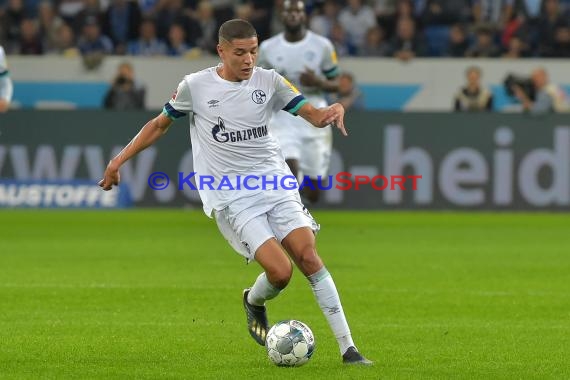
(309, 78)
(335, 116)
(111, 177)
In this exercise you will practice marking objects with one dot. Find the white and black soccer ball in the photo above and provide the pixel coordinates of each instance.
(290, 343)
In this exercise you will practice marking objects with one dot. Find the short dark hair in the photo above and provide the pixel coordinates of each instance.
(236, 28)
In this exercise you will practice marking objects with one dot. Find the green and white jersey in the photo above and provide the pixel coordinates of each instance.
(228, 128)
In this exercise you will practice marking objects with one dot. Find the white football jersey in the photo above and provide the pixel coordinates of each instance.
(290, 59)
(228, 128)
(3, 63)
(5, 82)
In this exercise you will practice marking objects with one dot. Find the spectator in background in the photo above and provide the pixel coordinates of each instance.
(517, 27)
(68, 9)
(492, 13)
(91, 10)
(385, 11)
(322, 23)
(125, 93)
(529, 9)
(550, 18)
(348, 93)
(473, 97)
(223, 10)
(458, 44)
(208, 26)
(560, 46)
(407, 44)
(177, 45)
(14, 14)
(148, 44)
(260, 17)
(49, 23)
(149, 8)
(549, 97)
(243, 11)
(404, 9)
(356, 19)
(375, 44)
(445, 12)
(340, 41)
(484, 46)
(517, 48)
(65, 43)
(93, 45)
(122, 23)
(30, 41)
(173, 12)
(6, 86)
(276, 24)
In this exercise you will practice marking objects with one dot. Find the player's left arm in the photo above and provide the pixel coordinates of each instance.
(321, 117)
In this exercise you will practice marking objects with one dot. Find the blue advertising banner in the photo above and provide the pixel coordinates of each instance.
(61, 194)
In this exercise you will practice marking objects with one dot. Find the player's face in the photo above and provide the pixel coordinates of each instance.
(239, 58)
(294, 15)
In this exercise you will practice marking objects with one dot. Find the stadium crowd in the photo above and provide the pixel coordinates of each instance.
(379, 28)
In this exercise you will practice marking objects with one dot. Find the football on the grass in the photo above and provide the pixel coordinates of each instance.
(290, 343)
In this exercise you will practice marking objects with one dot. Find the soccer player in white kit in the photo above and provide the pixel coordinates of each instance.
(6, 86)
(229, 107)
(309, 61)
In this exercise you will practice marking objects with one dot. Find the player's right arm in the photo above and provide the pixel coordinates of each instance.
(177, 107)
(6, 86)
(5, 93)
(147, 136)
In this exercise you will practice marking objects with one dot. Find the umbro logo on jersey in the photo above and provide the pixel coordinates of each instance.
(258, 97)
(213, 103)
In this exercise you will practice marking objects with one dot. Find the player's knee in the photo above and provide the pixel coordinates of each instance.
(280, 277)
(308, 260)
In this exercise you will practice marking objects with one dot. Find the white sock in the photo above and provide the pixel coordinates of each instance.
(327, 297)
(262, 291)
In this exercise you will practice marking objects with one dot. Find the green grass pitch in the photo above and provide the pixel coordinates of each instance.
(149, 294)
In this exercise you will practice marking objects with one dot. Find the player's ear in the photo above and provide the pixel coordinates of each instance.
(219, 49)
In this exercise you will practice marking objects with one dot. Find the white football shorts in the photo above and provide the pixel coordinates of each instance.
(301, 141)
(249, 222)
